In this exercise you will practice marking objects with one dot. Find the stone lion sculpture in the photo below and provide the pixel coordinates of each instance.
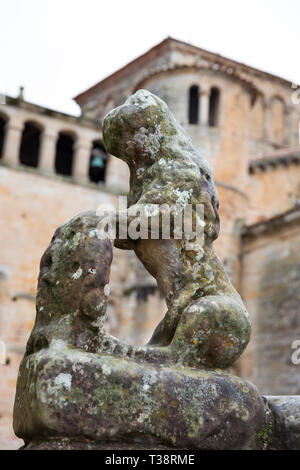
(78, 386)
(206, 323)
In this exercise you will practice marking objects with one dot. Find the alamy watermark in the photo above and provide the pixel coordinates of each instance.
(181, 221)
(296, 354)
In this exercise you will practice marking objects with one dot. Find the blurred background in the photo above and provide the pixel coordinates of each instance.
(229, 72)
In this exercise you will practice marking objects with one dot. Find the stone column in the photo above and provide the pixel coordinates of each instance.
(296, 133)
(81, 165)
(288, 126)
(12, 142)
(204, 106)
(48, 151)
(267, 123)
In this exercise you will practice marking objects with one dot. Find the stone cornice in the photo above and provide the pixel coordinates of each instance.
(271, 224)
(62, 179)
(26, 105)
(272, 161)
(216, 67)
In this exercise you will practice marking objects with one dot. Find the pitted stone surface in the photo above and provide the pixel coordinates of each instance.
(285, 432)
(110, 399)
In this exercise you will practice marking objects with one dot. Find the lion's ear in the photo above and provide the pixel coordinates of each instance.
(36, 341)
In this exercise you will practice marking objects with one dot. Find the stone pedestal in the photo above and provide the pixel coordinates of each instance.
(115, 403)
(115, 399)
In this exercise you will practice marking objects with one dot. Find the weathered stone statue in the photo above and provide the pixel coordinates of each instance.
(206, 323)
(78, 386)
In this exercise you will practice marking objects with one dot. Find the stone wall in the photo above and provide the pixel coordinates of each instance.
(270, 288)
(273, 191)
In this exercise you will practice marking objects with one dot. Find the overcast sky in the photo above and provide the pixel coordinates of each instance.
(58, 48)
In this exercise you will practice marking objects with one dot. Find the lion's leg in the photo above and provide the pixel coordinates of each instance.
(165, 330)
(212, 332)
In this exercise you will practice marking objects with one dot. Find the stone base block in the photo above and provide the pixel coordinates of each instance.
(66, 396)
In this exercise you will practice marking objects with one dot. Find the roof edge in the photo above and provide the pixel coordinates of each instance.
(134, 61)
(170, 40)
(9, 100)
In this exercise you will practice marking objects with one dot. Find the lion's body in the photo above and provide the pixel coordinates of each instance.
(166, 169)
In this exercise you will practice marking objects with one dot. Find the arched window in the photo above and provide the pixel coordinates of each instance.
(213, 111)
(98, 163)
(30, 145)
(64, 154)
(3, 121)
(194, 104)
